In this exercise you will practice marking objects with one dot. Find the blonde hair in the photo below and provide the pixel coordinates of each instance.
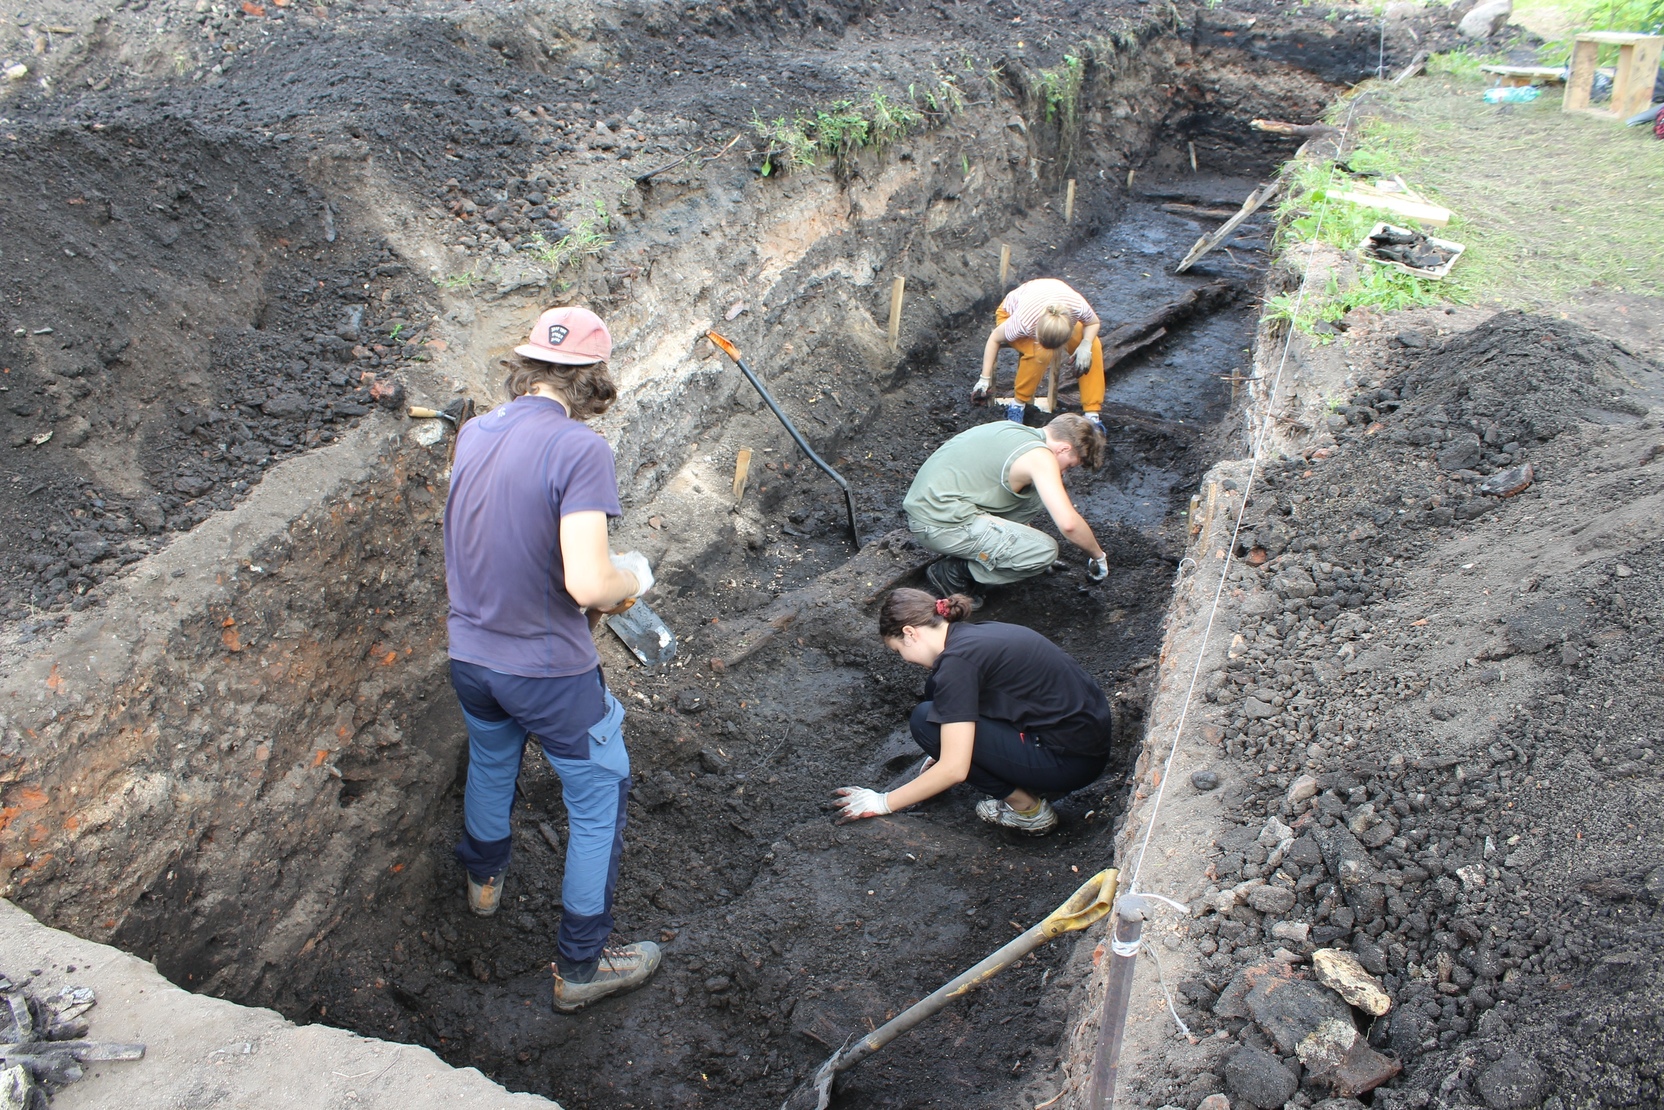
(1055, 327)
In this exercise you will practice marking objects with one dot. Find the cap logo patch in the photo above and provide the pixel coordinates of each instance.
(557, 334)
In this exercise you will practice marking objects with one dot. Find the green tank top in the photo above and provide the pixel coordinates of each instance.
(970, 475)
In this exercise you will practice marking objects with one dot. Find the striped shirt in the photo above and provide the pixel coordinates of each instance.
(1029, 301)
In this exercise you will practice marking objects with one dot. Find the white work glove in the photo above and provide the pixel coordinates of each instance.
(856, 802)
(634, 562)
(979, 393)
(1083, 358)
(1098, 569)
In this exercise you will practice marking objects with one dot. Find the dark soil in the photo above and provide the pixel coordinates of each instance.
(1473, 684)
(785, 933)
(208, 241)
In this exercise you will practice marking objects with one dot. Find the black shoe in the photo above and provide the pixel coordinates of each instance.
(951, 575)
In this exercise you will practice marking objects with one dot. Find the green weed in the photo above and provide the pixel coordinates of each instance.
(1457, 63)
(587, 239)
(840, 130)
(464, 280)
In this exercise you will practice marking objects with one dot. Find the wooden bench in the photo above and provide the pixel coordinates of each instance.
(1632, 85)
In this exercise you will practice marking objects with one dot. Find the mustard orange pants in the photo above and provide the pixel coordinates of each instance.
(1033, 359)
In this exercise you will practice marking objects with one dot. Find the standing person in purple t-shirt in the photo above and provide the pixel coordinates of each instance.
(525, 553)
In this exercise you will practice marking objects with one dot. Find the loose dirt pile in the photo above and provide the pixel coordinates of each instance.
(1440, 713)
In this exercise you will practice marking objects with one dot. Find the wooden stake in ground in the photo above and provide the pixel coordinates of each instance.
(1005, 264)
(1069, 203)
(742, 467)
(898, 289)
(1192, 157)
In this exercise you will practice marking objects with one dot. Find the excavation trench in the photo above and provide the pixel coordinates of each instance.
(239, 755)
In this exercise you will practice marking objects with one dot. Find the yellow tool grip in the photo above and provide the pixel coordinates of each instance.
(419, 413)
(1094, 899)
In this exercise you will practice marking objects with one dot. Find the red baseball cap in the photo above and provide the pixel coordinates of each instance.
(571, 336)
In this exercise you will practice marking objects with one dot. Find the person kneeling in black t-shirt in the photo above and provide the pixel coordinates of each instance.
(1005, 710)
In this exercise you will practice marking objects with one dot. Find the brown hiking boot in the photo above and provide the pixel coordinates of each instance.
(484, 897)
(618, 969)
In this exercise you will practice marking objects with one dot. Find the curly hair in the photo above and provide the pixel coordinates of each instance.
(909, 608)
(588, 389)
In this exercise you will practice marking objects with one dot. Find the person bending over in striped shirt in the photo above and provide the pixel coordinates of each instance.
(1037, 318)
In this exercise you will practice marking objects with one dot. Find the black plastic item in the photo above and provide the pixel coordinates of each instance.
(733, 352)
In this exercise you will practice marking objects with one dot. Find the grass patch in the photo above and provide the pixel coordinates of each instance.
(842, 129)
(587, 239)
(1550, 206)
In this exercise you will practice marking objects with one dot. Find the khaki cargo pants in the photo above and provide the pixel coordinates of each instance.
(999, 551)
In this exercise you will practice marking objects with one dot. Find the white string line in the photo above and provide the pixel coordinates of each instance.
(1230, 551)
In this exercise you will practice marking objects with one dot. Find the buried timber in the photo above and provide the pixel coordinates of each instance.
(226, 606)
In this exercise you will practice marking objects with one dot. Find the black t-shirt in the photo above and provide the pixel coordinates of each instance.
(1006, 672)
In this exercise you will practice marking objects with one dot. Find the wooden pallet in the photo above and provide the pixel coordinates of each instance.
(1631, 86)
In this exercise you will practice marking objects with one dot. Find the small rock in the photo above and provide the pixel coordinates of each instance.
(1512, 1083)
(1271, 899)
(1335, 1055)
(1290, 1009)
(1257, 1076)
(690, 701)
(716, 984)
(1256, 710)
(1507, 483)
(1302, 788)
(1344, 974)
(1295, 932)
(1214, 1102)
(1462, 452)
(1622, 571)
(17, 72)
(1274, 834)
(1415, 340)
(1204, 780)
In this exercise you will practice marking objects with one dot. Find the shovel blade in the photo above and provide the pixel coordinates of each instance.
(645, 634)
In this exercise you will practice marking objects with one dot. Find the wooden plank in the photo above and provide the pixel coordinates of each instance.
(1301, 130)
(1617, 38)
(1207, 242)
(1582, 79)
(1637, 70)
(1069, 203)
(1551, 74)
(1421, 213)
(1005, 264)
(1415, 67)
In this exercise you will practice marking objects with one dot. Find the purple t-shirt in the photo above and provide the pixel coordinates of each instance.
(518, 470)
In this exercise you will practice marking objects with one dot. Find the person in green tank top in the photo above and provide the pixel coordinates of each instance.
(972, 500)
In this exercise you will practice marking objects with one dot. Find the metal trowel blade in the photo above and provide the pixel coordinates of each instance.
(647, 637)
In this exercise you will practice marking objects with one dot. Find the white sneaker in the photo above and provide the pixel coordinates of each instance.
(996, 812)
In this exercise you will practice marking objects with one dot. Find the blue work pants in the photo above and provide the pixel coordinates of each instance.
(501, 711)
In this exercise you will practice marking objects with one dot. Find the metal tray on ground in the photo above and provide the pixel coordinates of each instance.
(1438, 274)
